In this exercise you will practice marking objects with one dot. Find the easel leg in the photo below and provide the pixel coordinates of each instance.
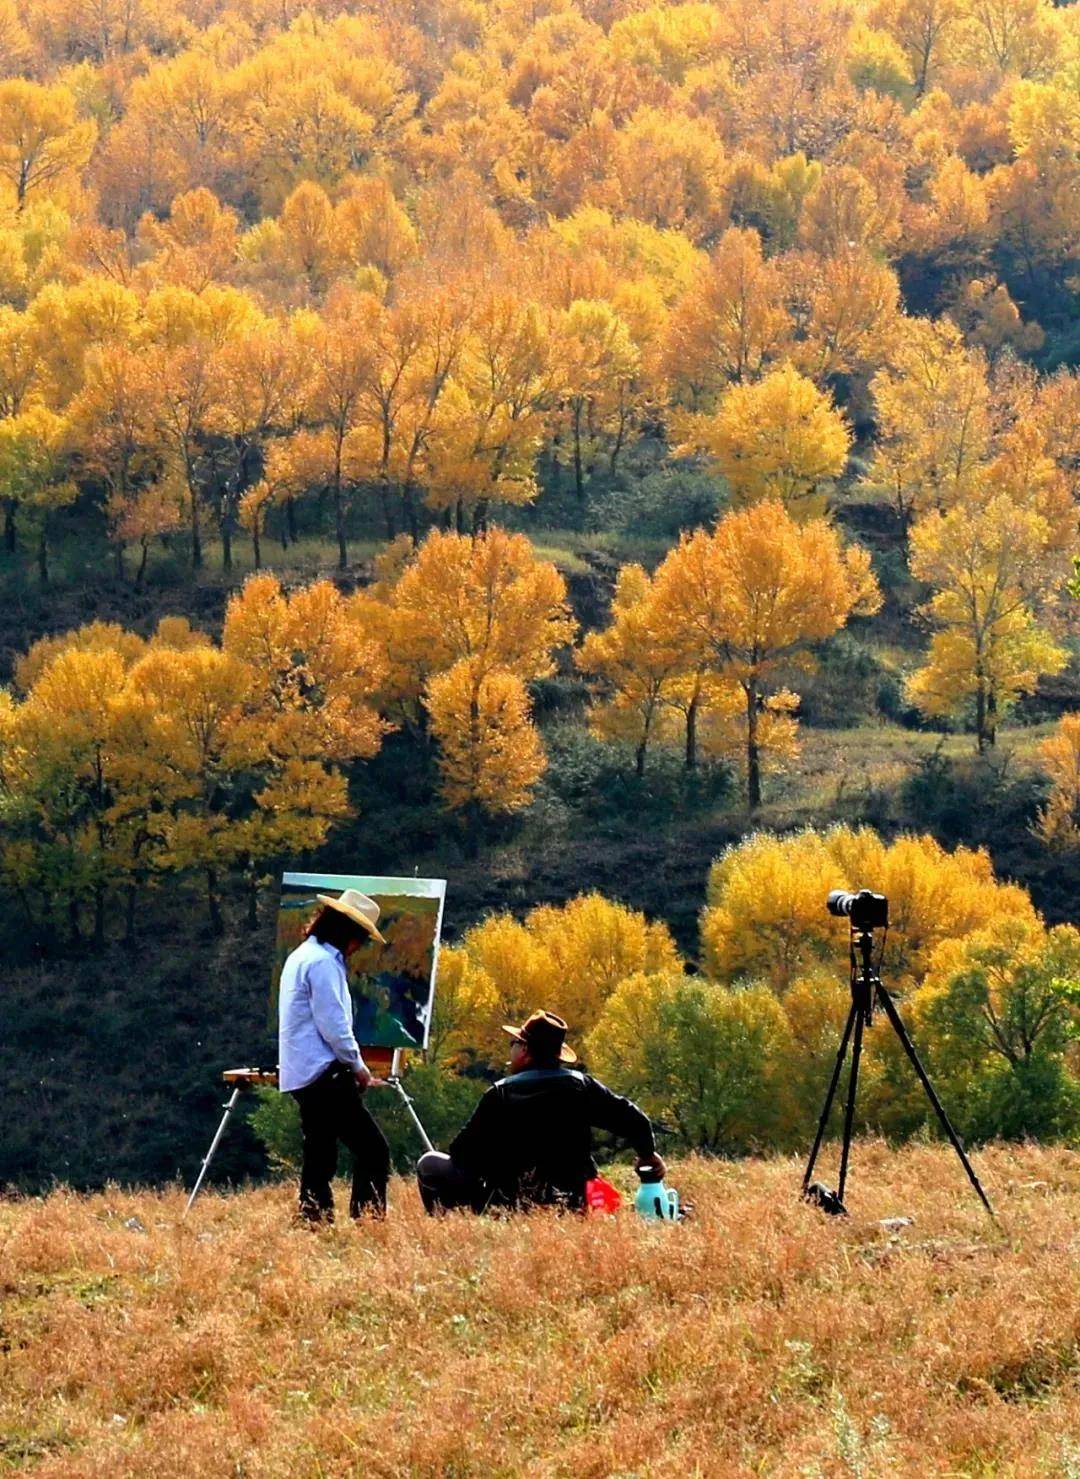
(395, 1079)
(889, 1007)
(213, 1146)
(399, 1086)
(837, 1067)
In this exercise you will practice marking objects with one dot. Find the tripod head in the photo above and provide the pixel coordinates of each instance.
(865, 975)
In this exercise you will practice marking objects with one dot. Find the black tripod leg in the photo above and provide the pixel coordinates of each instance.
(849, 1112)
(893, 1015)
(823, 1121)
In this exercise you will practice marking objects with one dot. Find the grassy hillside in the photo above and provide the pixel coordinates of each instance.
(761, 1338)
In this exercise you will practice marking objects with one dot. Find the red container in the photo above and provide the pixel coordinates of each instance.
(601, 1196)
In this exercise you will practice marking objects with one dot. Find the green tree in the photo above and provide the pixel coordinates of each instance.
(707, 1060)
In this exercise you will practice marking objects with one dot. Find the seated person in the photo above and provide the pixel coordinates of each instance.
(528, 1142)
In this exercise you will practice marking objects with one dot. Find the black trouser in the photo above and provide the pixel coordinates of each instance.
(444, 1186)
(332, 1109)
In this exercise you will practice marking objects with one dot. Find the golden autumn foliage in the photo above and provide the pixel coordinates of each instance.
(765, 916)
(777, 439)
(124, 759)
(569, 959)
(666, 285)
(507, 242)
(637, 660)
(486, 606)
(490, 755)
(993, 566)
(1059, 758)
(750, 597)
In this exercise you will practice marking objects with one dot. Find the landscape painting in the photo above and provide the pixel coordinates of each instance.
(392, 985)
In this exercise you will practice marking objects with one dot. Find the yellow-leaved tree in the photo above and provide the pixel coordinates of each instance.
(455, 598)
(765, 917)
(749, 599)
(994, 566)
(1059, 758)
(730, 324)
(123, 759)
(932, 405)
(566, 958)
(778, 438)
(490, 755)
(42, 137)
(634, 664)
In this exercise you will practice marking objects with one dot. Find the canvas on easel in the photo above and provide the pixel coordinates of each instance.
(392, 986)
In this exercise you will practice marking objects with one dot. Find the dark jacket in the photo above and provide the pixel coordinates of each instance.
(529, 1141)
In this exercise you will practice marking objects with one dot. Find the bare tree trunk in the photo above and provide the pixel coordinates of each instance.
(217, 924)
(753, 757)
(690, 759)
(388, 511)
(408, 498)
(339, 524)
(196, 528)
(579, 479)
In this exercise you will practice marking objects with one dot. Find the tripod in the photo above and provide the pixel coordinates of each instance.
(866, 988)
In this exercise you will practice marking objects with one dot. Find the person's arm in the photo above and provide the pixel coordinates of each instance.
(471, 1146)
(331, 1009)
(622, 1117)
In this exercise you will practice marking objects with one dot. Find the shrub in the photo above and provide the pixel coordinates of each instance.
(851, 685)
(707, 1061)
(596, 778)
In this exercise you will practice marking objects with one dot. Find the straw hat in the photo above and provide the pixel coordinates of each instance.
(359, 908)
(544, 1034)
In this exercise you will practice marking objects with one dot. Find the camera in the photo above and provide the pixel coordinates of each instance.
(866, 910)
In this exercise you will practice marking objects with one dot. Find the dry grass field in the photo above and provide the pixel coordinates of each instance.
(761, 1338)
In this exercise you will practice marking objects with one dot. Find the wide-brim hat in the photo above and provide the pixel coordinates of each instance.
(358, 907)
(543, 1034)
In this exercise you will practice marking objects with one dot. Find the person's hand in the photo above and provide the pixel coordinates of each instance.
(654, 1163)
(365, 1080)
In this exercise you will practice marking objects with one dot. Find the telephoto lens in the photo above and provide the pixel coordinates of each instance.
(865, 909)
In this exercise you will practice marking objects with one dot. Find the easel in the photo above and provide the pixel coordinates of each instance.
(242, 1078)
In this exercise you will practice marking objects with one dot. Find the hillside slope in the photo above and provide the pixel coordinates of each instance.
(761, 1338)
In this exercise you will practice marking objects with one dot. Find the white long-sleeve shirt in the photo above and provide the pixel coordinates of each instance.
(314, 1015)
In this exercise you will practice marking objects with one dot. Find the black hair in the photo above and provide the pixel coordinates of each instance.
(332, 927)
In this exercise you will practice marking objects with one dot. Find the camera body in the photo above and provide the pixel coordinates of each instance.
(865, 909)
